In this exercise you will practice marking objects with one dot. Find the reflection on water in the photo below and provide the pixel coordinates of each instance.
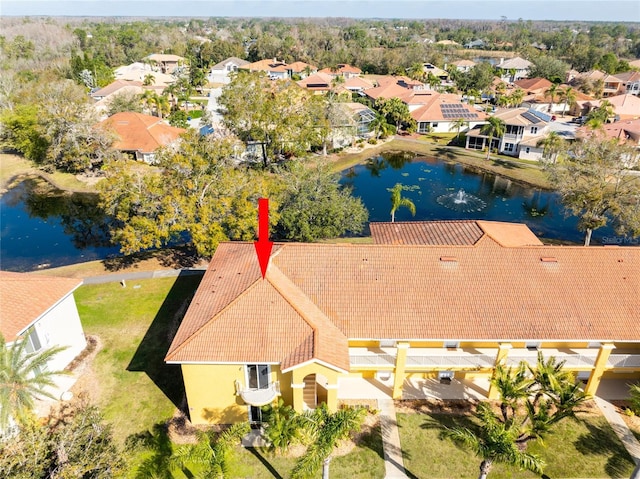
(45, 227)
(433, 178)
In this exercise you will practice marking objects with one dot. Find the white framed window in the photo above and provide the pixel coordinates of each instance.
(508, 147)
(258, 376)
(434, 125)
(534, 130)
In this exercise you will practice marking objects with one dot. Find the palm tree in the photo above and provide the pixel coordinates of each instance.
(433, 81)
(569, 97)
(494, 127)
(149, 79)
(552, 91)
(494, 441)
(416, 71)
(552, 144)
(380, 126)
(458, 124)
(162, 105)
(397, 201)
(211, 451)
(516, 96)
(326, 429)
(23, 379)
(514, 385)
(148, 100)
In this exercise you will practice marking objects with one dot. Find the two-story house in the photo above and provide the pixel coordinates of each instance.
(513, 69)
(524, 128)
(220, 72)
(427, 301)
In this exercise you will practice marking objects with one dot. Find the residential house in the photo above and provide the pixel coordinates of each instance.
(475, 44)
(167, 63)
(140, 71)
(42, 311)
(611, 84)
(220, 72)
(113, 87)
(318, 82)
(275, 69)
(626, 131)
(630, 82)
(393, 87)
(524, 128)
(140, 135)
(447, 43)
(436, 112)
(343, 322)
(513, 69)
(350, 122)
(625, 107)
(635, 64)
(301, 69)
(435, 71)
(343, 69)
(464, 65)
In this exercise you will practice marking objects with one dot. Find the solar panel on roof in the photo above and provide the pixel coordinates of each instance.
(531, 117)
(539, 114)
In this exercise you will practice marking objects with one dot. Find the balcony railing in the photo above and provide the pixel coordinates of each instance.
(512, 137)
(258, 397)
(571, 360)
(624, 361)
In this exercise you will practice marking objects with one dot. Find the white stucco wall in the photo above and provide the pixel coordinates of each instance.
(61, 326)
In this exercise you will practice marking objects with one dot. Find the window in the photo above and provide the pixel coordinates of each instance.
(258, 376)
(434, 125)
(534, 130)
(423, 127)
(527, 149)
(451, 344)
(508, 147)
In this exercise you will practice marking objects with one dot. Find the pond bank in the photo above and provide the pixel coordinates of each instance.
(528, 173)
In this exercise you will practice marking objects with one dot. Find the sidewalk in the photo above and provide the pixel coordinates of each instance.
(119, 277)
(393, 463)
(621, 429)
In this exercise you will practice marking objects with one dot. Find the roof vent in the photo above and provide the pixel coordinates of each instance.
(449, 259)
(549, 259)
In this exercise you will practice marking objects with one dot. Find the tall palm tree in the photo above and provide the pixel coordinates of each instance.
(23, 379)
(327, 429)
(458, 124)
(380, 126)
(494, 441)
(397, 201)
(552, 91)
(416, 71)
(569, 97)
(148, 100)
(494, 127)
(513, 385)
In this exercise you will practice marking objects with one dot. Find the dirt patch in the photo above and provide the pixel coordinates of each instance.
(88, 385)
(462, 407)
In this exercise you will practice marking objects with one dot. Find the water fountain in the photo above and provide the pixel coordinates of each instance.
(461, 201)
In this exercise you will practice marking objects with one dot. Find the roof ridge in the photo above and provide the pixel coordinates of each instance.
(308, 311)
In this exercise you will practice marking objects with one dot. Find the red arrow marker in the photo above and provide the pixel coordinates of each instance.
(263, 245)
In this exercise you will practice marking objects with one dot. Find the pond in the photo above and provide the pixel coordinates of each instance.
(41, 227)
(443, 190)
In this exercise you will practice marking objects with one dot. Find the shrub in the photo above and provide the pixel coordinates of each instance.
(634, 392)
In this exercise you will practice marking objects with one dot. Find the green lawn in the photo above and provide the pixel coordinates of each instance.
(585, 447)
(138, 393)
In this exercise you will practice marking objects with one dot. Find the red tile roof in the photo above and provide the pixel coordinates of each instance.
(460, 232)
(138, 132)
(315, 296)
(533, 85)
(342, 68)
(24, 298)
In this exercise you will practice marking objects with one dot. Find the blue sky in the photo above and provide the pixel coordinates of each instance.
(603, 10)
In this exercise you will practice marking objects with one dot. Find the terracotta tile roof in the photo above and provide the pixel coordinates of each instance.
(26, 297)
(432, 110)
(625, 131)
(533, 85)
(165, 57)
(457, 232)
(316, 295)
(317, 81)
(509, 235)
(270, 65)
(115, 86)
(138, 132)
(342, 68)
(357, 82)
(299, 67)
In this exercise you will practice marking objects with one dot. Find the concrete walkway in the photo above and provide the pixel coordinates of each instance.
(621, 429)
(120, 277)
(393, 463)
